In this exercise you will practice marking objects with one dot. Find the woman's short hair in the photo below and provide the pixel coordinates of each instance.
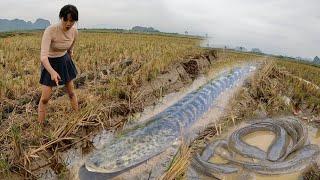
(69, 9)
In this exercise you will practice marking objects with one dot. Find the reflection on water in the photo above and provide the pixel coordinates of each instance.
(263, 140)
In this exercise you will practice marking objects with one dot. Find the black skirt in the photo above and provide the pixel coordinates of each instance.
(64, 66)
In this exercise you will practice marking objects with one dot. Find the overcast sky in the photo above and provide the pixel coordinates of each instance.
(288, 27)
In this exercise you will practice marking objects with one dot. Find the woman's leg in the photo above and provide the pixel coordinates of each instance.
(45, 97)
(72, 95)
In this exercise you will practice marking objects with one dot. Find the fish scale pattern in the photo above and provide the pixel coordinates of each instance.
(163, 129)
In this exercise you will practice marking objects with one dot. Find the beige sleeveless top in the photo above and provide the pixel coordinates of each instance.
(56, 42)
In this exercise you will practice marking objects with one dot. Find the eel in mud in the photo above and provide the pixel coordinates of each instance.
(200, 162)
(275, 151)
(285, 158)
(296, 131)
(162, 130)
(295, 162)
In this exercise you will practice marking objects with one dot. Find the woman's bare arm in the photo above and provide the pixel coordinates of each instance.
(45, 45)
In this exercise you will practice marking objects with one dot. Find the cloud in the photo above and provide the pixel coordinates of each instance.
(276, 26)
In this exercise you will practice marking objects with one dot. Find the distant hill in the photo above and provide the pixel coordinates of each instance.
(316, 60)
(18, 24)
(256, 50)
(240, 48)
(144, 29)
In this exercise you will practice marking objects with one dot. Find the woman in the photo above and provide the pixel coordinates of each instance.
(57, 67)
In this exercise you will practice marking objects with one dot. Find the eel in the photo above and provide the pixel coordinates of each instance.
(275, 151)
(289, 152)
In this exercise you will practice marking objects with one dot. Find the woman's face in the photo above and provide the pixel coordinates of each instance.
(66, 25)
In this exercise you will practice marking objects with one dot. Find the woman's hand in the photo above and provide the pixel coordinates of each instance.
(55, 77)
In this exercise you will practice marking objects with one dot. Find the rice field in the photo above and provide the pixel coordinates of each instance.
(94, 51)
(107, 92)
(112, 69)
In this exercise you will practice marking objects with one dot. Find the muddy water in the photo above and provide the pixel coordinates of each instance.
(263, 139)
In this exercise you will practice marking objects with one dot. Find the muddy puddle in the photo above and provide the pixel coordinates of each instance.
(262, 140)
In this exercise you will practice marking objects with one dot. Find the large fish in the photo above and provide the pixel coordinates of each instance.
(162, 130)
